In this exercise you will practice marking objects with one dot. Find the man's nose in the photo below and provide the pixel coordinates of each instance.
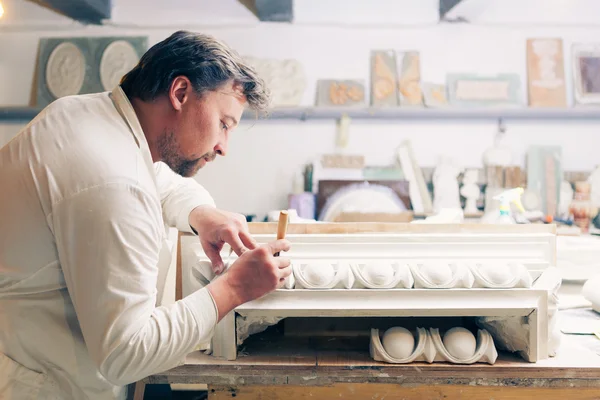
(221, 149)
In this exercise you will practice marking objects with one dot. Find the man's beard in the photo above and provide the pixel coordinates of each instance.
(170, 153)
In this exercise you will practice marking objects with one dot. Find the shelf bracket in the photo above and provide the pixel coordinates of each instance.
(342, 135)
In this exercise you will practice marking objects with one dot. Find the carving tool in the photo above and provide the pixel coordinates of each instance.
(282, 227)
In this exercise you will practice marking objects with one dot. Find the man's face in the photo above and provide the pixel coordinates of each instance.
(200, 130)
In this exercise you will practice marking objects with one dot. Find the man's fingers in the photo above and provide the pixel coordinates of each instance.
(214, 255)
(279, 245)
(232, 238)
(283, 262)
(285, 272)
(248, 240)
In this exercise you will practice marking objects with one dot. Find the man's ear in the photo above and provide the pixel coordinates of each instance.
(179, 92)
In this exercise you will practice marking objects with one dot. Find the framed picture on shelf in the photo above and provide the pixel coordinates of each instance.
(332, 93)
(546, 73)
(471, 90)
(81, 65)
(384, 82)
(408, 65)
(586, 73)
(434, 95)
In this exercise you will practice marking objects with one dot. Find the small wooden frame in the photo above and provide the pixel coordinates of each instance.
(475, 91)
(546, 73)
(586, 73)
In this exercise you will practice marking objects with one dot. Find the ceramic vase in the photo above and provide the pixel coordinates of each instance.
(582, 208)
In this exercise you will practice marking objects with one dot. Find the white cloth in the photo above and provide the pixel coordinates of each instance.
(83, 255)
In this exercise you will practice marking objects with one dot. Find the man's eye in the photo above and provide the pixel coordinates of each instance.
(224, 126)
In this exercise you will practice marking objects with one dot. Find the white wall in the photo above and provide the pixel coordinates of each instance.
(271, 153)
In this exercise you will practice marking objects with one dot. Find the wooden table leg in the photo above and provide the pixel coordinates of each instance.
(135, 391)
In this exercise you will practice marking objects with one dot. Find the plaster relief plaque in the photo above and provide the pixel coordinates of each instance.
(285, 79)
(434, 95)
(82, 65)
(473, 90)
(65, 70)
(409, 78)
(545, 73)
(340, 93)
(384, 85)
(118, 58)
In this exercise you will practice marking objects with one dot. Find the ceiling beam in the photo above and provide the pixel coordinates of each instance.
(271, 10)
(84, 11)
(446, 6)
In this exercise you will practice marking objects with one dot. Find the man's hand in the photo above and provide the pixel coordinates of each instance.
(215, 228)
(254, 274)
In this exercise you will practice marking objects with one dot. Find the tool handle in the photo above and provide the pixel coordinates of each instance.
(282, 227)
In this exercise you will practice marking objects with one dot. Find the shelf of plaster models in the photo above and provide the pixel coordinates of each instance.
(25, 114)
(318, 113)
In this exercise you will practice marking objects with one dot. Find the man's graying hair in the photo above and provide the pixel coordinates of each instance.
(205, 61)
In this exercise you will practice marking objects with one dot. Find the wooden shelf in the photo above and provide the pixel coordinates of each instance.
(25, 114)
(18, 114)
(306, 113)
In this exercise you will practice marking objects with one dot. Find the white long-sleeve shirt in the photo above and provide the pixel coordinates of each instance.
(84, 255)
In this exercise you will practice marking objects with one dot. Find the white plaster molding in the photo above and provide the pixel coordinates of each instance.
(518, 321)
(430, 348)
(401, 276)
(500, 275)
(427, 275)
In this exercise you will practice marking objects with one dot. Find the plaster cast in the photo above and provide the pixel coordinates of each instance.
(381, 275)
(510, 333)
(445, 185)
(318, 273)
(424, 350)
(513, 334)
(591, 292)
(441, 275)
(322, 275)
(471, 191)
(460, 346)
(250, 325)
(285, 78)
(65, 71)
(484, 351)
(455, 246)
(378, 273)
(460, 343)
(118, 58)
(436, 273)
(398, 342)
(500, 275)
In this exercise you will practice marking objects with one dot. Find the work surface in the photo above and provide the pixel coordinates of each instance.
(293, 367)
(325, 361)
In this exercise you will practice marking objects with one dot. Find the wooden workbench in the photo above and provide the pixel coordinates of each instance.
(297, 368)
(293, 368)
